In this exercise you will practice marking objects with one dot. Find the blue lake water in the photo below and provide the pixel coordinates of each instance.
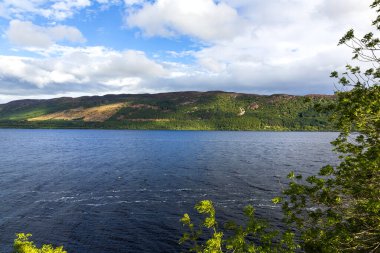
(125, 191)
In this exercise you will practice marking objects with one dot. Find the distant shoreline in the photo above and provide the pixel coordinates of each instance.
(176, 130)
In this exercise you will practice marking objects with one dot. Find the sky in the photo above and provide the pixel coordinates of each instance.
(52, 48)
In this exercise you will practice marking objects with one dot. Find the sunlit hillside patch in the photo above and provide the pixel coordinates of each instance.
(92, 114)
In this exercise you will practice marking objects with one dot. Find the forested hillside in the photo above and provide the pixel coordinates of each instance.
(213, 110)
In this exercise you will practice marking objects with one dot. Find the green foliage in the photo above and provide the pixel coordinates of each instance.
(339, 209)
(255, 236)
(23, 245)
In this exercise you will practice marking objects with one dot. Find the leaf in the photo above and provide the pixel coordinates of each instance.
(276, 200)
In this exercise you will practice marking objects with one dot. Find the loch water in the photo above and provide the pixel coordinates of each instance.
(103, 191)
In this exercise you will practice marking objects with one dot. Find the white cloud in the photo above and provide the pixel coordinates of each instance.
(86, 69)
(54, 10)
(202, 19)
(26, 34)
(291, 46)
(109, 2)
(133, 2)
(61, 10)
(348, 11)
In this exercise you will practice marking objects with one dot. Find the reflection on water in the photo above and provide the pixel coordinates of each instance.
(124, 191)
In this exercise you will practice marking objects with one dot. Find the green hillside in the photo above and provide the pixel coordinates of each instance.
(214, 110)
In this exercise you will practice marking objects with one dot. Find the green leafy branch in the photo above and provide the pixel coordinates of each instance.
(22, 244)
(254, 237)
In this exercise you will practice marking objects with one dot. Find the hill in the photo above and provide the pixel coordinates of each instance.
(214, 110)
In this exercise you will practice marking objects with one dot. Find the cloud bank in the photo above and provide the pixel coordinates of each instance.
(239, 45)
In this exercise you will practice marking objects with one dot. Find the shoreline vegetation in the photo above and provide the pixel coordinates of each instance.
(213, 110)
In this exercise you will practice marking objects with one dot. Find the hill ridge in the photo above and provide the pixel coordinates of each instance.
(190, 110)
